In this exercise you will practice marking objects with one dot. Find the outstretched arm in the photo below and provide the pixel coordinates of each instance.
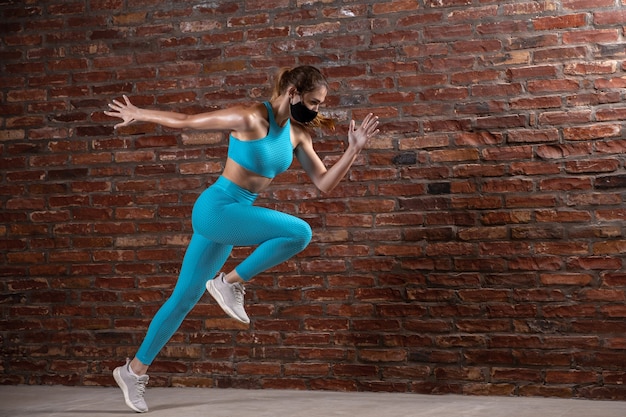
(327, 179)
(228, 119)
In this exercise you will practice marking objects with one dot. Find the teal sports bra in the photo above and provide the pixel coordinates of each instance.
(268, 156)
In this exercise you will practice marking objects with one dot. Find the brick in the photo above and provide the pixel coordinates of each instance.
(578, 377)
(559, 22)
(566, 184)
(382, 356)
(609, 17)
(591, 132)
(445, 32)
(591, 36)
(563, 216)
(489, 389)
(560, 54)
(562, 151)
(312, 369)
(612, 114)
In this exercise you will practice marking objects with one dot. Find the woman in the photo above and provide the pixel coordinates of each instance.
(263, 139)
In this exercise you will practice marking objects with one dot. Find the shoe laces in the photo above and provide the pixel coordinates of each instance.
(140, 384)
(239, 291)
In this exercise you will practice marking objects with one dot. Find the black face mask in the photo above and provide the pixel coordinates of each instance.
(302, 113)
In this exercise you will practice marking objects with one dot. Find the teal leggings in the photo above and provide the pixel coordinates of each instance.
(223, 216)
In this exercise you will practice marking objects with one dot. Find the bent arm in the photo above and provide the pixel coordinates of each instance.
(324, 179)
(228, 119)
(327, 179)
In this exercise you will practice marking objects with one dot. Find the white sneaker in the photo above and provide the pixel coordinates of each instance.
(132, 386)
(229, 297)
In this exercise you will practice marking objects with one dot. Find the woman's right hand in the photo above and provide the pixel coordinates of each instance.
(127, 112)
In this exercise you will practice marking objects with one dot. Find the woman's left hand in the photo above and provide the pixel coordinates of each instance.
(358, 137)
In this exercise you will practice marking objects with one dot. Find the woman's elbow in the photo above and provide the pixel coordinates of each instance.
(324, 187)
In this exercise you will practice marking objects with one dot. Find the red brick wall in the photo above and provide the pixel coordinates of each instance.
(476, 247)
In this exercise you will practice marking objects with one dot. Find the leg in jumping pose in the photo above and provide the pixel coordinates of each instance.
(279, 236)
(223, 216)
(202, 259)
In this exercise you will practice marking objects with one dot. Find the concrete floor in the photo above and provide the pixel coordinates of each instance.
(62, 401)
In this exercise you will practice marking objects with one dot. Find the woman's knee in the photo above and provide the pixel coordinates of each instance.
(301, 233)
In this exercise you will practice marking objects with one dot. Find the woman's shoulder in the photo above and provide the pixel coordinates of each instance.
(252, 115)
(249, 109)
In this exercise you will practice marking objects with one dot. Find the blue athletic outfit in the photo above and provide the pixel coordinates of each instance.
(268, 156)
(224, 216)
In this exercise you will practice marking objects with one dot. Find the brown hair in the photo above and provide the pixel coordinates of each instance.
(306, 79)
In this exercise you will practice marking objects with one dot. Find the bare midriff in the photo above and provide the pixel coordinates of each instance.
(244, 178)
